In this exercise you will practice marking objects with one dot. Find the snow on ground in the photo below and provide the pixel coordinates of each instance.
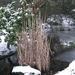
(46, 27)
(3, 44)
(66, 43)
(70, 70)
(27, 70)
(65, 20)
(73, 10)
(3, 47)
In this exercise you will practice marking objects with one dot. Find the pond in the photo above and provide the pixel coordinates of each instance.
(59, 17)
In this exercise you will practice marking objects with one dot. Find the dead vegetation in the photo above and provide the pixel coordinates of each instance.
(33, 47)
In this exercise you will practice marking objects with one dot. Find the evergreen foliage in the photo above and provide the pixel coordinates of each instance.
(10, 21)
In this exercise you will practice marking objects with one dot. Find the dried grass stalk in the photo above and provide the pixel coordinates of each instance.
(35, 47)
(20, 52)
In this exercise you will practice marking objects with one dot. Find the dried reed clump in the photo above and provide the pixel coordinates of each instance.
(33, 47)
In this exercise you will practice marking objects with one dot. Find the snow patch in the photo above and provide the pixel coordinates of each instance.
(64, 20)
(27, 70)
(70, 70)
(46, 27)
(73, 10)
(3, 46)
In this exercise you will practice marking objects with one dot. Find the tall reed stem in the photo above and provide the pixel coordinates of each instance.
(33, 46)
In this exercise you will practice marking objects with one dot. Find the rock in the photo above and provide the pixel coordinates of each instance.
(48, 20)
(7, 64)
(46, 26)
(57, 65)
(70, 70)
(51, 22)
(0, 40)
(27, 70)
(73, 10)
(17, 73)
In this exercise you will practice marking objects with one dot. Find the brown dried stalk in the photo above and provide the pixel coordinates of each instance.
(19, 52)
(35, 50)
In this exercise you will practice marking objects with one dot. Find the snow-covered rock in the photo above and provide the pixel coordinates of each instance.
(45, 26)
(64, 20)
(3, 47)
(27, 70)
(73, 10)
(70, 70)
